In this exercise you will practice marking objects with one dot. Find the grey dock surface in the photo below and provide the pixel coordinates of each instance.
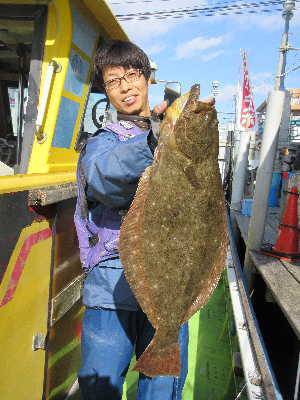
(281, 277)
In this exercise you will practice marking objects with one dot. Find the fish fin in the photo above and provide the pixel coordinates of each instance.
(130, 249)
(155, 361)
(213, 281)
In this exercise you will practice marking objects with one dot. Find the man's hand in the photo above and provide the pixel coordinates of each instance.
(204, 104)
(160, 108)
(157, 116)
(209, 100)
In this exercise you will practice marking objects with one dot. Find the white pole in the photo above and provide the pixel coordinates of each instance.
(274, 114)
(256, 229)
(252, 148)
(288, 7)
(240, 170)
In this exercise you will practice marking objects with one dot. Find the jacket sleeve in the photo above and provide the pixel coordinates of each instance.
(112, 168)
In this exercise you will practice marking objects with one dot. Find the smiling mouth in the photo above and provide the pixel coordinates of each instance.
(129, 100)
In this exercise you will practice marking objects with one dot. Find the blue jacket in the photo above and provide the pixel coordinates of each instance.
(112, 169)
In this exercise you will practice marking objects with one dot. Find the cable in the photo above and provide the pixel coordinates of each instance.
(164, 1)
(291, 70)
(206, 9)
(223, 2)
(211, 8)
(161, 17)
(241, 8)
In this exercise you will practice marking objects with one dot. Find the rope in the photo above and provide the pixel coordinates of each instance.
(241, 392)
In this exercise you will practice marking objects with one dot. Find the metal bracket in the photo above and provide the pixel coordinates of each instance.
(65, 299)
(39, 341)
(52, 194)
(255, 378)
(243, 326)
(57, 66)
(53, 68)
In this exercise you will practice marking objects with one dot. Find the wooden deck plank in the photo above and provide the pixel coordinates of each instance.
(273, 217)
(270, 235)
(293, 269)
(284, 288)
(243, 223)
(271, 225)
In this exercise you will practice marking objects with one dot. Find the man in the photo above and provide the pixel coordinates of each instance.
(114, 326)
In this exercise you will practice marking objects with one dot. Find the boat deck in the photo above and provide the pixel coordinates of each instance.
(281, 277)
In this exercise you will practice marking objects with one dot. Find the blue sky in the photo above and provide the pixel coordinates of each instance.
(208, 48)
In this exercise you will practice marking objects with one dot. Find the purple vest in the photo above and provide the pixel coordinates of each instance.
(99, 242)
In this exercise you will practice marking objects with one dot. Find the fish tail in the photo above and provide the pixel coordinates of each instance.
(158, 360)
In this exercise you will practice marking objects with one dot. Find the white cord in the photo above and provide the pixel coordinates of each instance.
(241, 392)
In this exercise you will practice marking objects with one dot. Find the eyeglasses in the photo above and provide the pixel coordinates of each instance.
(129, 77)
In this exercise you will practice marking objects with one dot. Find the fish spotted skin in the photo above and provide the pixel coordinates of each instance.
(173, 239)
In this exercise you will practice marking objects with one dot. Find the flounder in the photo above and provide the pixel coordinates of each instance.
(173, 239)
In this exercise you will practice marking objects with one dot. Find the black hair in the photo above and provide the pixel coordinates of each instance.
(120, 53)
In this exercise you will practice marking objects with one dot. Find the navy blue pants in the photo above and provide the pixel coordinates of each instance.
(109, 338)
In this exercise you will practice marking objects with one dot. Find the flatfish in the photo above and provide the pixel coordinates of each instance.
(173, 239)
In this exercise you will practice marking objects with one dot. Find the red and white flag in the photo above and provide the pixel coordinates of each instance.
(247, 118)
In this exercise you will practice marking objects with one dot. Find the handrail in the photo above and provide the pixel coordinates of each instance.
(252, 374)
(268, 379)
(52, 68)
(18, 183)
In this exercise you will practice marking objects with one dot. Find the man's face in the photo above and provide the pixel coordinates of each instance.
(129, 97)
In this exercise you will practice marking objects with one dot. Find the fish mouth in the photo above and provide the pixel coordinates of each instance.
(193, 98)
(195, 91)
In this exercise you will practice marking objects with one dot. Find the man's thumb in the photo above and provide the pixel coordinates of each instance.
(161, 108)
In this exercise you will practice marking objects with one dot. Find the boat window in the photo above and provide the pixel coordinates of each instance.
(98, 112)
(20, 51)
(95, 112)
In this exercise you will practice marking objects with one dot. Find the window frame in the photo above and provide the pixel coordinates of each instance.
(37, 14)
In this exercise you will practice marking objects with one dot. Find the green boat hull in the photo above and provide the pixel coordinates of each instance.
(211, 345)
